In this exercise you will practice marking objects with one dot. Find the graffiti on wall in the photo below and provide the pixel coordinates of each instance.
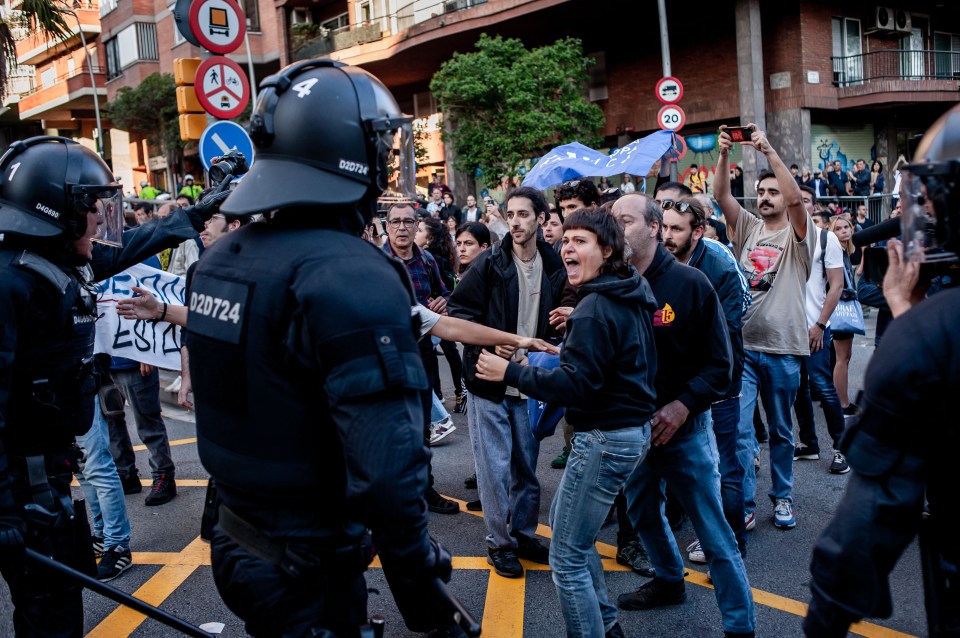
(844, 143)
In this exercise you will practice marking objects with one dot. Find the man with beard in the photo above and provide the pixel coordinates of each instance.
(683, 236)
(775, 251)
(512, 287)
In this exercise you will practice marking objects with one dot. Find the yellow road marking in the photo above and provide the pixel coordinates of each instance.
(141, 448)
(503, 607)
(123, 621)
(149, 482)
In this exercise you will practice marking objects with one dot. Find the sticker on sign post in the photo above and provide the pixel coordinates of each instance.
(671, 118)
(669, 90)
(222, 87)
(219, 25)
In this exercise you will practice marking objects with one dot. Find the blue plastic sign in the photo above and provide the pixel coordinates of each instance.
(220, 138)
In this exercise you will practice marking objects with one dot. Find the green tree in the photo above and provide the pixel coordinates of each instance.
(38, 16)
(508, 104)
(150, 110)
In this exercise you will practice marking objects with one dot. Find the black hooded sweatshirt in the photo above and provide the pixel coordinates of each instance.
(608, 362)
(694, 357)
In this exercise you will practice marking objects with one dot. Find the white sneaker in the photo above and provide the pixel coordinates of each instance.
(783, 514)
(750, 521)
(695, 553)
(174, 385)
(441, 429)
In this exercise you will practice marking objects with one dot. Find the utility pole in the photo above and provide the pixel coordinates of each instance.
(665, 56)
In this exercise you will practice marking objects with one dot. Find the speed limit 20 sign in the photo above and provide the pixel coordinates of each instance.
(671, 118)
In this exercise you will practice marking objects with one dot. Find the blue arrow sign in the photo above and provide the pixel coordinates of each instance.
(220, 138)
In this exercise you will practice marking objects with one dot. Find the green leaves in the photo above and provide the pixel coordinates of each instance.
(507, 104)
(149, 110)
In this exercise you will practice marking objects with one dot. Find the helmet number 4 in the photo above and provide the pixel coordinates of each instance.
(303, 88)
(13, 171)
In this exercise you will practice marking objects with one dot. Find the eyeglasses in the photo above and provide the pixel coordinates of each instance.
(213, 217)
(406, 221)
(572, 183)
(680, 207)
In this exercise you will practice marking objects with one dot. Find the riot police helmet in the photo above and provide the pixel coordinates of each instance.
(930, 194)
(324, 133)
(48, 185)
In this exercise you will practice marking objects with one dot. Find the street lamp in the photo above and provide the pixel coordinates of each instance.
(93, 80)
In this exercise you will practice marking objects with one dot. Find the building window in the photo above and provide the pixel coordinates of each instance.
(947, 56)
(106, 6)
(364, 13)
(48, 77)
(252, 10)
(847, 52)
(136, 43)
(339, 22)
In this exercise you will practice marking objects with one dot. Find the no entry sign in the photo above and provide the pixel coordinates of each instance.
(218, 24)
(222, 87)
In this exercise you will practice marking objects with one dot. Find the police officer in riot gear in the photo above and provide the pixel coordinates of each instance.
(308, 389)
(903, 448)
(56, 199)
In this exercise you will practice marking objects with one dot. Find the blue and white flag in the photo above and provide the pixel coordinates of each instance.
(574, 160)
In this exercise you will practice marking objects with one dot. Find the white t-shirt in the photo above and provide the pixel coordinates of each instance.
(817, 283)
(428, 318)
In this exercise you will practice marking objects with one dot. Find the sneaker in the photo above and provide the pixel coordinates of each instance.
(656, 593)
(839, 465)
(505, 562)
(750, 521)
(634, 556)
(440, 429)
(695, 553)
(97, 542)
(533, 550)
(440, 505)
(163, 490)
(461, 405)
(174, 386)
(560, 461)
(783, 514)
(475, 506)
(471, 483)
(851, 410)
(131, 484)
(115, 561)
(756, 463)
(806, 453)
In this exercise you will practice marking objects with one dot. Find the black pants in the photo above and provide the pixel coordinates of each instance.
(46, 603)
(450, 351)
(272, 603)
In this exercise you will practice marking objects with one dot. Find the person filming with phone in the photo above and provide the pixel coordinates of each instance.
(775, 252)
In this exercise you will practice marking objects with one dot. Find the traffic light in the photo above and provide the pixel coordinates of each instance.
(192, 118)
(192, 125)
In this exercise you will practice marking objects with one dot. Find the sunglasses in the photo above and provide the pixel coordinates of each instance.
(680, 207)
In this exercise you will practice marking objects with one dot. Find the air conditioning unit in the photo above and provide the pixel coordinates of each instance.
(902, 21)
(883, 20)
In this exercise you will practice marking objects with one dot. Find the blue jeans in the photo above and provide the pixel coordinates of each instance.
(506, 454)
(775, 378)
(101, 485)
(816, 378)
(600, 464)
(688, 464)
(438, 412)
(726, 420)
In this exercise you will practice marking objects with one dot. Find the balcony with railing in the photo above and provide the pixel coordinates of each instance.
(897, 71)
(68, 92)
(35, 48)
(309, 40)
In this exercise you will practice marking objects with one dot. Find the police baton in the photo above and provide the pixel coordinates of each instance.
(118, 596)
(467, 622)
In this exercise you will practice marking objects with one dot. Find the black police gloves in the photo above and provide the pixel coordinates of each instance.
(206, 208)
